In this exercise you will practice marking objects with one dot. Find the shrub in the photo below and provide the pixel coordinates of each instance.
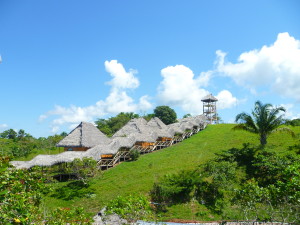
(134, 154)
(131, 208)
(175, 188)
(68, 216)
(20, 196)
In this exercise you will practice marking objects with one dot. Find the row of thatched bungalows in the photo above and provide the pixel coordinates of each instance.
(87, 141)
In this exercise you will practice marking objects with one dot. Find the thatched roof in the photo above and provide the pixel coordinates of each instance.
(126, 142)
(145, 137)
(138, 130)
(175, 127)
(156, 122)
(99, 150)
(48, 160)
(160, 128)
(84, 135)
(209, 98)
(69, 156)
(133, 126)
(198, 120)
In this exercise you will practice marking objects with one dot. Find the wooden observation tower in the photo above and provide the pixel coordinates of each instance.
(210, 108)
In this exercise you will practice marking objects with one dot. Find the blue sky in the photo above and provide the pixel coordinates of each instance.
(69, 61)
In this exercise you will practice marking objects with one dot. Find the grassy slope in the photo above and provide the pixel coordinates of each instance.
(139, 176)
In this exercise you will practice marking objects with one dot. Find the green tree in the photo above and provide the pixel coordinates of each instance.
(294, 122)
(165, 114)
(265, 119)
(149, 116)
(64, 134)
(9, 134)
(187, 115)
(113, 124)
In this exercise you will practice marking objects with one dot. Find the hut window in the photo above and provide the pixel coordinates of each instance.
(70, 149)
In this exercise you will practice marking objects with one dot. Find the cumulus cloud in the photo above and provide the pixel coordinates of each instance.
(121, 78)
(3, 126)
(277, 66)
(226, 100)
(180, 87)
(290, 111)
(117, 101)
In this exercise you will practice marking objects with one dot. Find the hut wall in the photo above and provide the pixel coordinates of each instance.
(107, 156)
(75, 148)
(164, 139)
(144, 144)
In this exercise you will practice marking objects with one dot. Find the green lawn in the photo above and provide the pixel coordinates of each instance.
(139, 176)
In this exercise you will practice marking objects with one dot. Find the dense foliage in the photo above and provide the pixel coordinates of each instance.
(294, 122)
(131, 208)
(20, 195)
(113, 124)
(22, 191)
(165, 114)
(259, 185)
(20, 144)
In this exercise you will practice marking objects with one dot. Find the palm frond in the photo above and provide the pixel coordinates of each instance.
(242, 126)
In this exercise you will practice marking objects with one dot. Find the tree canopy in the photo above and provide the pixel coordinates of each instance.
(165, 114)
(113, 124)
(264, 120)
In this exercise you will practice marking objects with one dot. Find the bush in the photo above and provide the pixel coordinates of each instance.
(131, 208)
(134, 154)
(68, 216)
(81, 169)
(175, 188)
(20, 196)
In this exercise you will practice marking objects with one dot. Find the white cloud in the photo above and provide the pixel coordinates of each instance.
(121, 78)
(72, 126)
(54, 129)
(277, 66)
(116, 102)
(144, 103)
(226, 100)
(180, 87)
(290, 111)
(3, 126)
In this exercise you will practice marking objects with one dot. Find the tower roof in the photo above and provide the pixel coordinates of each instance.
(209, 98)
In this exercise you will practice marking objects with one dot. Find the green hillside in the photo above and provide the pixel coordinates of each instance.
(139, 176)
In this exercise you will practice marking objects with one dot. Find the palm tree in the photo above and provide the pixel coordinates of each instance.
(265, 120)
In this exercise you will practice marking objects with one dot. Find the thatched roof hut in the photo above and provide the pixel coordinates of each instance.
(99, 150)
(136, 125)
(156, 125)
(48, 160)
(84, 136)
(175, 128)
(156, 122)
(125, 142)
(144, 137)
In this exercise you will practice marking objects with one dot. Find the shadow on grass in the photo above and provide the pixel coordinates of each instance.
(74, 189)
